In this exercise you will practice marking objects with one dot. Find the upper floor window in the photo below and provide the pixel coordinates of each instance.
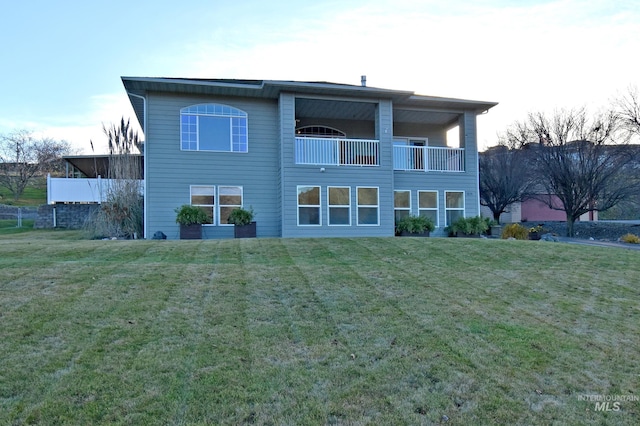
(213, 127)
(320, 132)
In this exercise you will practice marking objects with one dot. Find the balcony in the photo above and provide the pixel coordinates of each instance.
(69, 190)
(428, 158)
(337, 152)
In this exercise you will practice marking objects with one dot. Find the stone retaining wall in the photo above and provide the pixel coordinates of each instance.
(69, 216)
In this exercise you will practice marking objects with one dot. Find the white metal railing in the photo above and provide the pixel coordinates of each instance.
(337, 151)
(69, 190)
(428, 158)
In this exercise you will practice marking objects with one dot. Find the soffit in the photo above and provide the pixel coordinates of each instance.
(408, 107)
(331, 109)
(93, 166)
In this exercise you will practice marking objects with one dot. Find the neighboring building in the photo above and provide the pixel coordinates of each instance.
(535, 210)
(311, 159)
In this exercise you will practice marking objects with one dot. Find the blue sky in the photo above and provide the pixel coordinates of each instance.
(62, 61)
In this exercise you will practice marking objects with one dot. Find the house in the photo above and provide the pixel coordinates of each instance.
(312, 159)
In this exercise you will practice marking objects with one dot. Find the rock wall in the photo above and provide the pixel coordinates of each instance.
(69, 216)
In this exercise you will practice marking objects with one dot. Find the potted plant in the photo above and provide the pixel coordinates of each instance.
(190, 219)
(415, 226)
(244, 226)
(535, 232)
(495, 229)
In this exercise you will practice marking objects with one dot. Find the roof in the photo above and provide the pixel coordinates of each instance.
(93, 166)
(138, 87)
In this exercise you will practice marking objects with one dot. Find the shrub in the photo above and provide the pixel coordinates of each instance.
(469, 225)
(121, 215)
(241, 217)
(190, 215)
(415, 224)
(515, 230)
(630, 238)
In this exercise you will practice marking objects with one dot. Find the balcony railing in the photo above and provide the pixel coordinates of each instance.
(337, 152)
(69, 190)
(428, 158)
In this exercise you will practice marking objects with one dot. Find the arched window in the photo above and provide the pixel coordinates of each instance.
(213, 127)
(320, 132)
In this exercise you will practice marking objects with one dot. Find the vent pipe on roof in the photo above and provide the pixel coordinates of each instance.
(363, 80)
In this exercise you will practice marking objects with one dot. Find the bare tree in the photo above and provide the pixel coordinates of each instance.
(504, 177)
(627, 108)
(24, 156)
(578, 160)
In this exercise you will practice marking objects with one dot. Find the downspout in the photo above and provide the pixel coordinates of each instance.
(478, 160)
(144, 160)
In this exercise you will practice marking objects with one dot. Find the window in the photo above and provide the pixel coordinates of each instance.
(368, 212)
(229, 198)
(308, 205)
(454, 205)
(320, 131)
(401, 204)
(213, 127)
(339, 205)
(428, 205)
(205, 198)
(217, 208)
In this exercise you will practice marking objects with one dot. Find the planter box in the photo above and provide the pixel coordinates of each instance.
(245, 231)
(413, 234)
(496, 230)
(191, 232)
(534, 235)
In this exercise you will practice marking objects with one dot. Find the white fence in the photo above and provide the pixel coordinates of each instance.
(68, 190)
(338, 152)
(428, 158)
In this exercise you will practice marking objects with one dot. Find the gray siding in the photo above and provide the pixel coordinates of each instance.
(353, 177)
(170, 171)
(269, 175)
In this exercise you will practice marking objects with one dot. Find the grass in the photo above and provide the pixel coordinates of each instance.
(34, 194)
(315, 331)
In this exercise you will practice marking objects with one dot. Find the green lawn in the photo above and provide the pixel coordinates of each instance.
(34, 194)
(316, 331)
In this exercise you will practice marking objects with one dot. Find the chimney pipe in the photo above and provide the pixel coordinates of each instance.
(363, 80)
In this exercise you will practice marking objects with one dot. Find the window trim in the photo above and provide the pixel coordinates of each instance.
(436, 208)
(341, 206)
(358, 206)
(447, 209)
(318, 206)
(216, 200)
(401, 208)
(220, 111)
(219, 222)
(320, 131)
(212, 206)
